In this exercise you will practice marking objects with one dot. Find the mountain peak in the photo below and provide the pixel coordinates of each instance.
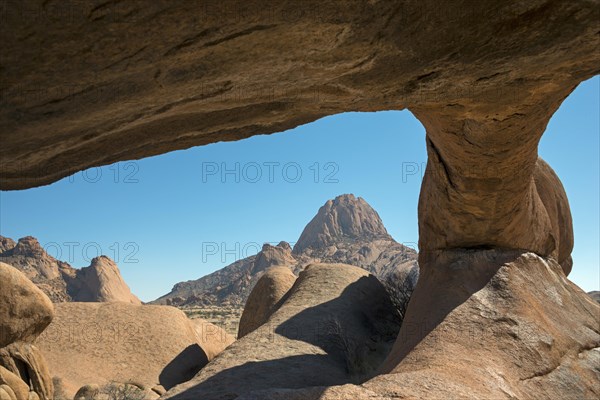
(28, 246)
(345, 217)
(6, 244)
(102, 281)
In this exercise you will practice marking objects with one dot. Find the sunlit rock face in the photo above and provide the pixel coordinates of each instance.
(88, 84)
(345, 230)
(333, 326)
(25, 311)
(484, 324)
(99, 343)
(101, 281)
(265, 298)
(343, 218)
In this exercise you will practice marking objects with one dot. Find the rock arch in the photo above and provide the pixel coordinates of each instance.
(90, 84)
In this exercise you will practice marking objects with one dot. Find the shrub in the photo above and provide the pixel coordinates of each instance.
(59, 389)
(120, 391)
(353, 352)
(400, 288)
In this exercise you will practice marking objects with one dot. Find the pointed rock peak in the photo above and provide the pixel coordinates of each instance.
(28, 246)
(101, 261)
(345, 217)
(6, 244)
(271, 256)
(284, 245)
(102, 281)
(281, 246)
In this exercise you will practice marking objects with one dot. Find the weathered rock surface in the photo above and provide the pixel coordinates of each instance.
(6, 393)
(45, 271)
(27, 362)
(6, 244)
(99, 343)
(105, 82)
(271, 256)
(265, 297)
(87, 392)
(212, 339)
(492, 210)
(334, 327)
(495, 324)
(343, 392)
(553, 197)
(101, 281)
(15, 383)
(499, 325)
(346, 230)
(25, 311)
(91, 84)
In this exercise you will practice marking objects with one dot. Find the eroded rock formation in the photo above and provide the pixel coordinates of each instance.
(99, 343)
(264, 298)
(345, 230)
(100, 281)
(88, 84)
(335, 326)
(484, 186)
(343, 218)
(485, 324)
(25, 311)
(499, 323)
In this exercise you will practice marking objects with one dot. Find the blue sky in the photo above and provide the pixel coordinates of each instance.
(184, 214)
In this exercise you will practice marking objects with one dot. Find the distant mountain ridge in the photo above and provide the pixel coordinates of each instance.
(99, 282)
(345, 230)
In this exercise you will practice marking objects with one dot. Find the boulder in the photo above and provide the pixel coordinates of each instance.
(25, 311)
(211, 338)
(99, 343)
(501, 324)
(6, 393)
(26, 361)
(334, 327)
(265, 297)
(554, 198)
(494, 324)
(87, 392)
(19, 388)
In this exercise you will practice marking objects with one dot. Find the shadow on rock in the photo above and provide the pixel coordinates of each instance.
(183, 367)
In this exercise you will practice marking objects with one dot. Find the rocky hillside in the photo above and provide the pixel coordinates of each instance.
(101, 281)
(345, 230)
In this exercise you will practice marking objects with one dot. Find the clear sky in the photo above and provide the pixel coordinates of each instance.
(182, 215)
